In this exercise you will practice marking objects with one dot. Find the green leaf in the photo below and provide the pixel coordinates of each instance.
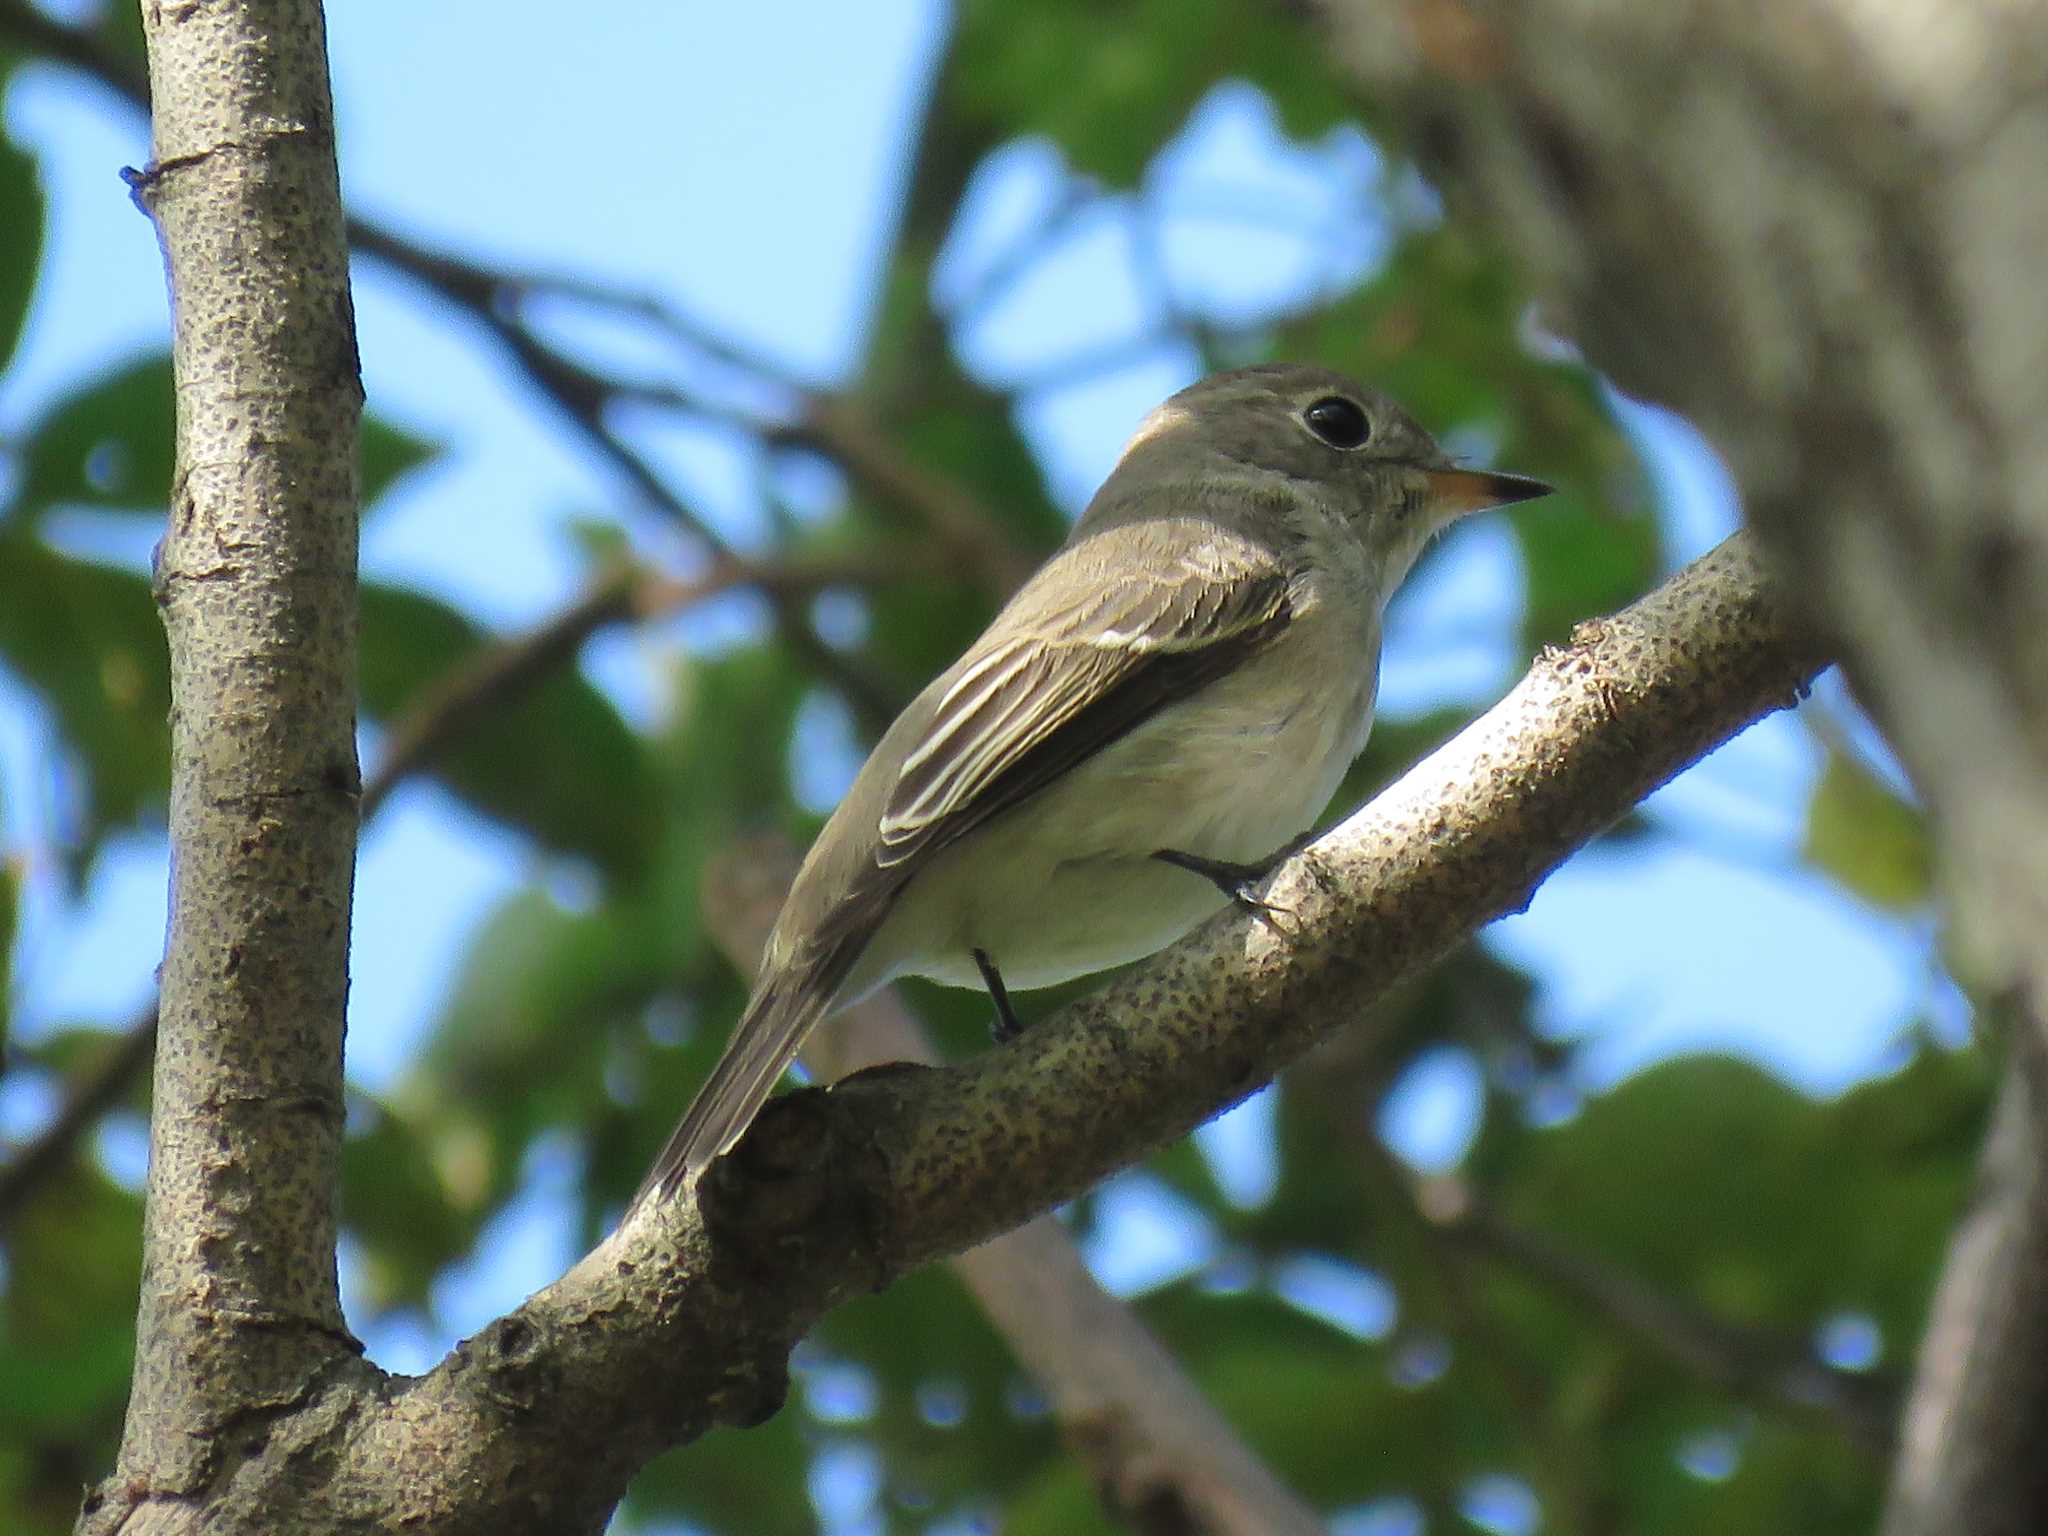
(109, 444)
(1871, 840)
(548, 1009)
(1110, 84)
(551, 1010)
(1732, 1232)
(938, 419)
(397, 1202)
(552, 759)
(1581, 563)
(87, 640)
(74, 1257)
(533, 968)
(21, 242)
(387, 453)
(738, 1482)
(72, 1050)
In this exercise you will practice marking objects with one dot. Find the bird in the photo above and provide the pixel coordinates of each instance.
(1153, 720)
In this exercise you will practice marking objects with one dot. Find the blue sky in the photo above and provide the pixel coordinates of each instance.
(744, 160)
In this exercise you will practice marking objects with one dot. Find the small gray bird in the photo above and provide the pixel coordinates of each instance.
(1173, 697)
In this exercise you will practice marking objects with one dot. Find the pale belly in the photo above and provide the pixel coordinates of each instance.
(1066, 884)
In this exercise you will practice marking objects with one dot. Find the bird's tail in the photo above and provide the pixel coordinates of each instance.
(762, 1046)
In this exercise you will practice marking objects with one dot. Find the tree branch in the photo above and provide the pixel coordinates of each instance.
(240, 1311)
(684, 1317)
(582, 398)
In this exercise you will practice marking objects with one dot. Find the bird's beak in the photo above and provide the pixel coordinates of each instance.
(1455, 492)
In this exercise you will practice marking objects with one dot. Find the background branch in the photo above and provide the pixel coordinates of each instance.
(1749, 1361)
(1967, 1459)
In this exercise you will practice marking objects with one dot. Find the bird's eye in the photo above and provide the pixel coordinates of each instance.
(1338, 422)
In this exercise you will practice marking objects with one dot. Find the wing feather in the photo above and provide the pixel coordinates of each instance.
(1042, 698)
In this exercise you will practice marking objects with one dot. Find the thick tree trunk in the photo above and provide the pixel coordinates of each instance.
(1817, 229)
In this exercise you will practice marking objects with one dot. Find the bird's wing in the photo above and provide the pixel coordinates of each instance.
(1074, 663)
(1040, 695)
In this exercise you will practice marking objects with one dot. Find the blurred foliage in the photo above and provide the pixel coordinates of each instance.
(21, 241)
(555, 762)
(589, 1003)
(1110, 87)
(1869, 837)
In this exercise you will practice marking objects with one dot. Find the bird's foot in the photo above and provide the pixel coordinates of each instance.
(1007, 1026)
(1238, 881)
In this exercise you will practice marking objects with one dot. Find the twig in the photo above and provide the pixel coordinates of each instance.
(699, 335)
(1751, 1362)
(582, 396)
(1077, 198)
(838, 429)
(508, 669)
(109, 1081)
(827, 424)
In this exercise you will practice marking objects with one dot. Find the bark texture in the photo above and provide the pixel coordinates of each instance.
(240, 1318)
(1816, 229)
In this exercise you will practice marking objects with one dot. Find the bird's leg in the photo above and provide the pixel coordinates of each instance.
(1237, 880)
(1007, 1026)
